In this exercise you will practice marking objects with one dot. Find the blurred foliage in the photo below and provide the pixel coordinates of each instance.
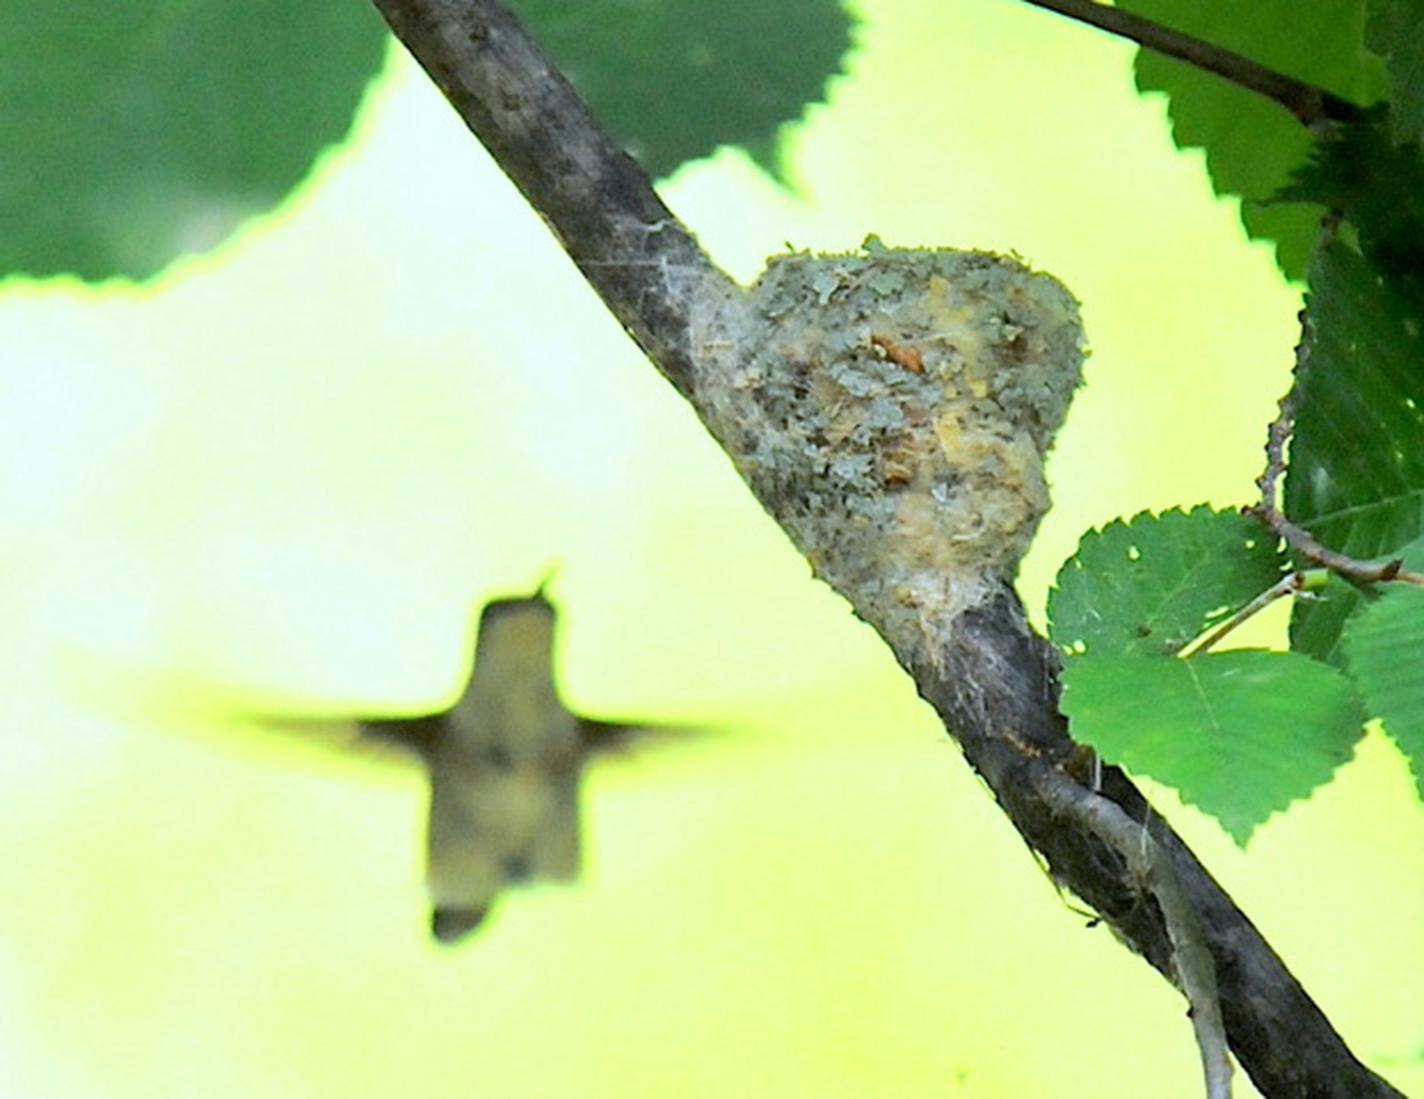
(675, 79)
(136, 132)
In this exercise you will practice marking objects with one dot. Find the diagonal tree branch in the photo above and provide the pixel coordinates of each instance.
(976, 661)
(1308, 103)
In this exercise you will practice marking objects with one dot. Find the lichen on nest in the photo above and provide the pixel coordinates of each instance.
(893, 406)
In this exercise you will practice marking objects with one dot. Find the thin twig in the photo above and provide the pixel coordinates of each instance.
(1351, 568)
(1308, 103)
(1192, 962)
(1268, 511)
(1291, 584)
(989, 676)
(1279, 433)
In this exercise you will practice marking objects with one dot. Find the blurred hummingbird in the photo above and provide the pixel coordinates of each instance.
(505, 764)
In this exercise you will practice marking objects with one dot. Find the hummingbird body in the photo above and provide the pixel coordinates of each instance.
(505, 764)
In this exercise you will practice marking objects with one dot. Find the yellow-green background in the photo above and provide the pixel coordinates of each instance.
(280, 480)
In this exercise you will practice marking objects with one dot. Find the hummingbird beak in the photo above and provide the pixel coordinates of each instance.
(450, 925)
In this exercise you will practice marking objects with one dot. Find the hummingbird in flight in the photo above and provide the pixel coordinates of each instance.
(504, 764)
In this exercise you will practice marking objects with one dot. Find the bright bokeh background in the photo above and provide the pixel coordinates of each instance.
(281, 479)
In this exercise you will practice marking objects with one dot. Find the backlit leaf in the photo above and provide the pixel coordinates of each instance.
(1239, 734)
(1384, 646)
(1152, 584)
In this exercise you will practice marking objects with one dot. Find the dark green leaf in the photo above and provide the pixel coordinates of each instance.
(1239, 734)
(1384, 646)
(1152, 584)
(135, 132)
(675, 79)
(1395, 30)
(1377, 184)
(1356, 474)
(1252, 145)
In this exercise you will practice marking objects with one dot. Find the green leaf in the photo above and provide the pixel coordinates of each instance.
(1384, 645)
(1253, 145)
(1239, 734)
(1152, 584)
(1356, 474)
(675, 79)
(1377, 183)
(134, 132)
(1395, 30)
